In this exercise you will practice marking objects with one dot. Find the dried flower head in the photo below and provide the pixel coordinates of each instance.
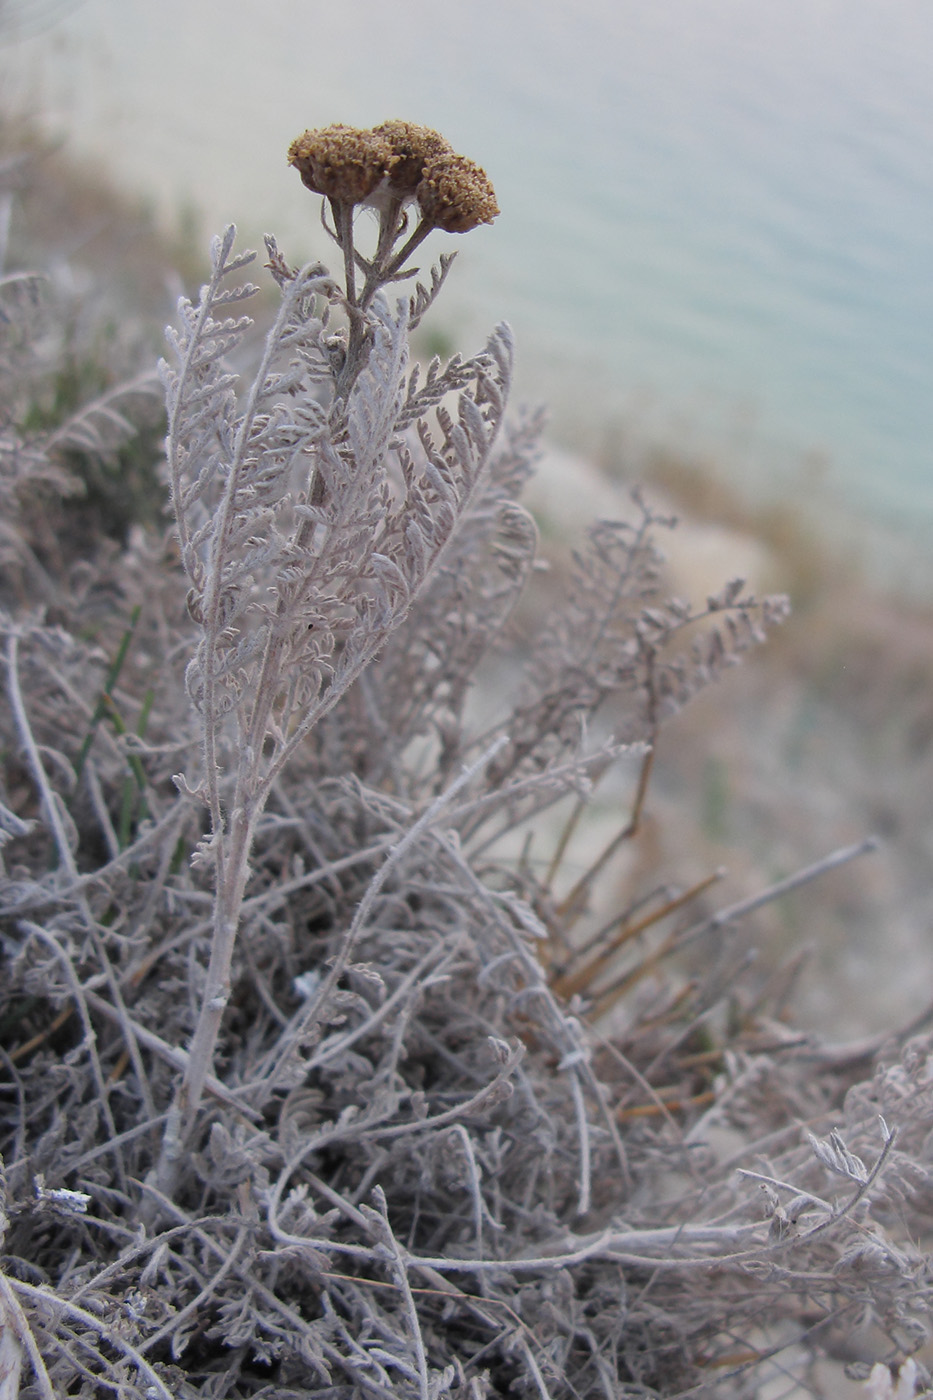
(344, 163)
(455, 194)
(413, 147)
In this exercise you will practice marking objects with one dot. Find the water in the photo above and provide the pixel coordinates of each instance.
(717, 224)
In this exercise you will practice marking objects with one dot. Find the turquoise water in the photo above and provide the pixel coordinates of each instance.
(717, 219)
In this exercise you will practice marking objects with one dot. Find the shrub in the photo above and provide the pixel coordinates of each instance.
(305, 1092)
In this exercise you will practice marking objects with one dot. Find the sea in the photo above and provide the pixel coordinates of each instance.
(716, 234)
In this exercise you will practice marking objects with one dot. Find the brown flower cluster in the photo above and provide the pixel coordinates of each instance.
(341, 162)
(353, 166)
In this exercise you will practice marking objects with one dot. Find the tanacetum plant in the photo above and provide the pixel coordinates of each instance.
(309, 1085)
(315, 509)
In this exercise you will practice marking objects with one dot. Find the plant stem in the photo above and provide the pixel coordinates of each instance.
(217, 985)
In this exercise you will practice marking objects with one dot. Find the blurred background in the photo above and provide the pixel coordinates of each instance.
(715, 249)
(716, 216)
